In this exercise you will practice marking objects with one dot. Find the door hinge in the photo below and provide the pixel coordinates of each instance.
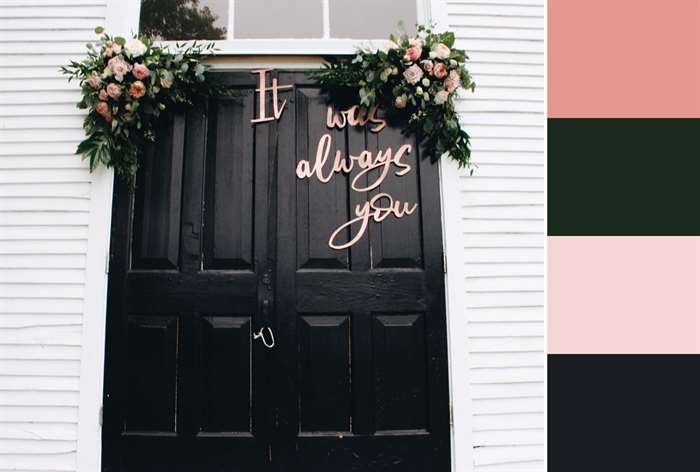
(444, 263)
(452, 416)
(101, 414)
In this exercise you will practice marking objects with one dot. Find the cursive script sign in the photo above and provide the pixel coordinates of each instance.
(323, 167)
(262, 90)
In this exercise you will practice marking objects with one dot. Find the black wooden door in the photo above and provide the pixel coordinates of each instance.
(222, 239)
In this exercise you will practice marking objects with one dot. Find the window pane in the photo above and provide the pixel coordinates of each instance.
(371, 19)
(278, 19)
(184, 19)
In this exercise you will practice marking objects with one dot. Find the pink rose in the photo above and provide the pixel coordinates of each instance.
(95, 81)
(413, 53)
(103, 95)
(439, 70)
(137, 89)
(119, 67)
(114, 91)
(140, 71)
(103, 109)
(428, 66)
(452, 81)
(112, 49)
(413, 74)
(440, 51)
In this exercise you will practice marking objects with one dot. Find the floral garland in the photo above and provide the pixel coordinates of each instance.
(126, 85)
(414, 80)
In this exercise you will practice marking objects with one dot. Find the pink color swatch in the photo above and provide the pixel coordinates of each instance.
(624, 295)
(624, 59)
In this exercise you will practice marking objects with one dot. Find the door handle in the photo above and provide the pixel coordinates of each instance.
(261, 335)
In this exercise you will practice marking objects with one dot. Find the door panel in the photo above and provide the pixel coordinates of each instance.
(230, 187)
(325, 398)
(368, 333)
(222, 239)
(152, 372)
(187, 287)
(226, 374)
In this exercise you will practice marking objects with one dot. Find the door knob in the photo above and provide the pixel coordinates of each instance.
(261, 335)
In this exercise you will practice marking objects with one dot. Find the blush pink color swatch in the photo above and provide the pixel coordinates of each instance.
(624, 59)
(624, 295)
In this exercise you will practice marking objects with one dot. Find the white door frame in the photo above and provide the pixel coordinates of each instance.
(122, 19)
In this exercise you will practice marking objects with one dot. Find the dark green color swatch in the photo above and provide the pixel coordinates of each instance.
(623, 177)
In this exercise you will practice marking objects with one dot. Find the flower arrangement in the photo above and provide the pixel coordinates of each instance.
(126, 85)
(414, 79)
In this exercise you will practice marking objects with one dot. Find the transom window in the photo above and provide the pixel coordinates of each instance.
(265, 19)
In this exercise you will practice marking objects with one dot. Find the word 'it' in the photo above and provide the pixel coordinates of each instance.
(262, 90)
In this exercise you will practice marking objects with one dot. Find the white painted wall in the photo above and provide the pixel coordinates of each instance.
(502, 229)
(45, 198)
(54, 222)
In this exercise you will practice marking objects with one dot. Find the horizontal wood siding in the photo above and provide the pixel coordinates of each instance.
(44, 202)
(503, 228)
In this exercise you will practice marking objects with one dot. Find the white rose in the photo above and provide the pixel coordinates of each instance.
(166, 79)
(400, 101)
(390, 45)
(425, 82)
(441, 97)
(134, 47)
(440, 50)
(419, 91)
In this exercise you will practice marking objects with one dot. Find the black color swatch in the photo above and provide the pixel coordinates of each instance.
(614, 413)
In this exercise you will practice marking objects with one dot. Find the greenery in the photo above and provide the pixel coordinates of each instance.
(414, 80)
(178, 19)
(126, 86)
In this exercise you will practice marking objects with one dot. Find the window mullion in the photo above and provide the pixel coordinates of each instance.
(231, 12)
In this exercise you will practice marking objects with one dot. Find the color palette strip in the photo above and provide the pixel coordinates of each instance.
(624, 227)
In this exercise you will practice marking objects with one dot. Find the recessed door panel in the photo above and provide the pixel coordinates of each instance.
(226, 375)
(152, 374)
(325, 400)
(230, 190)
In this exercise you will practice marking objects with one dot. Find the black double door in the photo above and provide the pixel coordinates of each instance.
(222, 240)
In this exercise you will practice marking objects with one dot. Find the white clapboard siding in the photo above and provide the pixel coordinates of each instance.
(503, 228)
(44, 205)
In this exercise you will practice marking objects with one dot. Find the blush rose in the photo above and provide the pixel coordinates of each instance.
(439, 70)
(103, 109)
(137, 89)
(440, 51)
(114, 91)
(140, 71)
(119, 67)
(413, 53)
(413, 74)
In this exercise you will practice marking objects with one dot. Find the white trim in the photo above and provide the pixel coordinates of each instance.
(122, 19)
(435, 11)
